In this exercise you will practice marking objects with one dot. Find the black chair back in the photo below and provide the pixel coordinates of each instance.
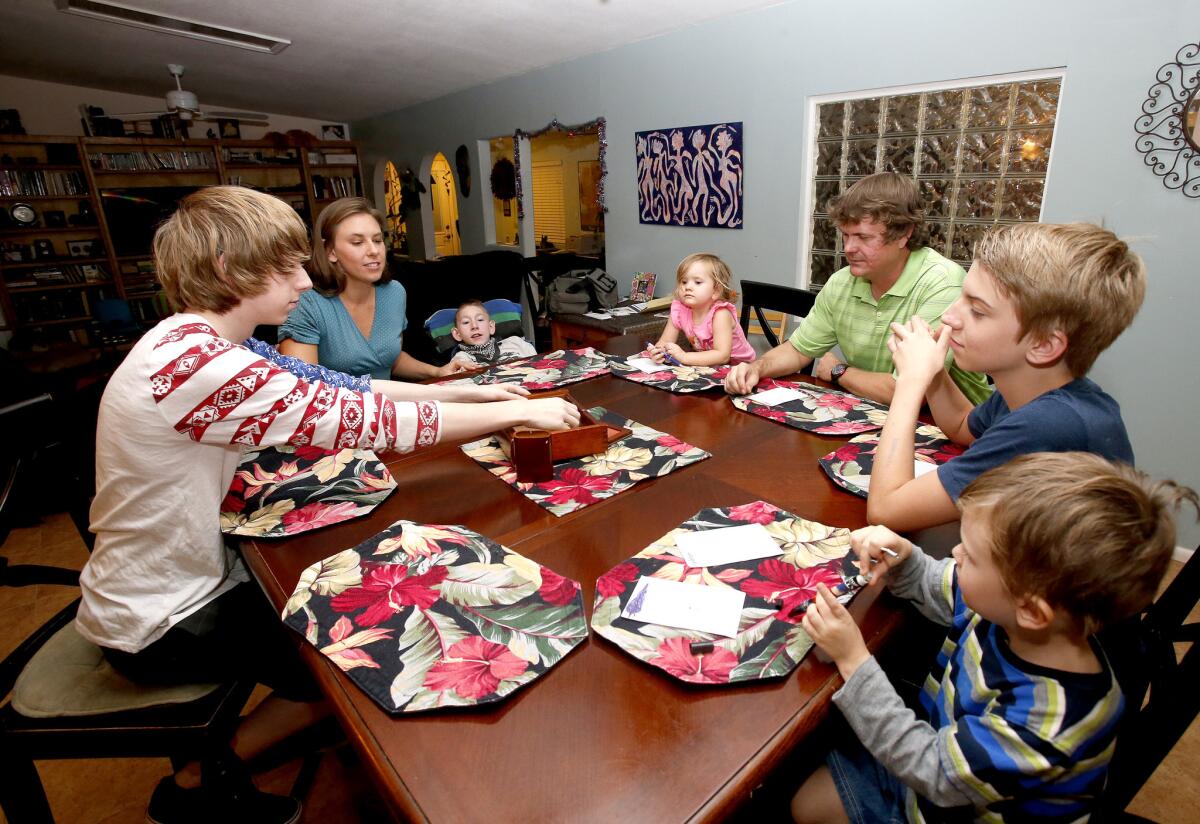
(1144, 658)
(759, 296)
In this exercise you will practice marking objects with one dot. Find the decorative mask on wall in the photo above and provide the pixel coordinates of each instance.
(1169, 128)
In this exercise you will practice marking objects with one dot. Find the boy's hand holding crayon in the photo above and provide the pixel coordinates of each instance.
(832, 627)
(879, 550)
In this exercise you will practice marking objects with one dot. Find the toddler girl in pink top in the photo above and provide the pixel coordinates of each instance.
(702, 312)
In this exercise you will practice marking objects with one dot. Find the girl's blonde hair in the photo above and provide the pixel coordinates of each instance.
(717, 269)
(328, 278)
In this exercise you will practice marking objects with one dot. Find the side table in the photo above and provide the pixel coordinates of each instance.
(571, 331)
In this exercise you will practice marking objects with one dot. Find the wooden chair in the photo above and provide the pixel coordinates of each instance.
(760, 297)
(66, 700)
(1143, 655)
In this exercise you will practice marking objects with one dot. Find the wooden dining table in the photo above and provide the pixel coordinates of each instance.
(602, 736)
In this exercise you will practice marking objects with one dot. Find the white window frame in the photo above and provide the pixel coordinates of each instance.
(809, 163)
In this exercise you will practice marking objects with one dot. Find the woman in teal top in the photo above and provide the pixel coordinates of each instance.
(350, 321)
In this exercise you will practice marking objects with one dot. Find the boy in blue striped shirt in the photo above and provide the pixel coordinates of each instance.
(1022, 703)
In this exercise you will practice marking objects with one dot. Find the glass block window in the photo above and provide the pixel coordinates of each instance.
(978, 154)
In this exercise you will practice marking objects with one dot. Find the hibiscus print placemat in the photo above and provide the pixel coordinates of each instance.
(426, 616)
(850, 466)
(682, 379)
(770, 641)
(824, 411)
(644, 453)
(549, 371)
(285, 490)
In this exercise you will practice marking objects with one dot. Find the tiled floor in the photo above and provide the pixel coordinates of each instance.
(115, 791)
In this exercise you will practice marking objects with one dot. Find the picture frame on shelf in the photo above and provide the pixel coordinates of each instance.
(16, 253)
(80, 248)
(43, 249)
(334, 131)
(55, 219)
(229, 128)
(92, 273)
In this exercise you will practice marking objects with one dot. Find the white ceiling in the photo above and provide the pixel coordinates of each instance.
(349, 59)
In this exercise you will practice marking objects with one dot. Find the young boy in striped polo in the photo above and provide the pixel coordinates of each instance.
(1022, 703)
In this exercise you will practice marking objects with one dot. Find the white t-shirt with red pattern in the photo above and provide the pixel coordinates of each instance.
(172, 424)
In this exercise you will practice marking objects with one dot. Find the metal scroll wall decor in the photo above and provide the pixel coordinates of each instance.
(1168, 131)
(596, 127)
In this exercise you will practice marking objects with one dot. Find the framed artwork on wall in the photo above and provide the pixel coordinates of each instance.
(690, 176)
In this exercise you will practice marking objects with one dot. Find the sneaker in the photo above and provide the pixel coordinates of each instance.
(171, 804)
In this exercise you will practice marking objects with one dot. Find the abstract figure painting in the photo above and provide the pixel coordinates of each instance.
(691, 176)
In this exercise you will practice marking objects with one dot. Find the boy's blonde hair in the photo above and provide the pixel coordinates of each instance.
(1075, 277)
(1091, 537)
(223, 244)
(888, 198)
(716, 268)
(328, 278)
(465, 304)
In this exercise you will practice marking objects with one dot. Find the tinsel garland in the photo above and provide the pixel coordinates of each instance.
(597, 126)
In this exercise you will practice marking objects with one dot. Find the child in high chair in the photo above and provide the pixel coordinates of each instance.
(1022, 704)
(474, 330)
(702, 312)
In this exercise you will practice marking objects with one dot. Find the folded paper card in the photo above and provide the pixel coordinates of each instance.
(285, 490)
(850, 466)
(824, 411)
(775, 396)
(679, 379)
(715, 547)
(558, 368)
(425, 616)
(580, 482)
(685, 606)
(768, 641)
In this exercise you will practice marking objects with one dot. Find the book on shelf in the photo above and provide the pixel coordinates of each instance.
(340, 157)
(145, 161)
(41, 183)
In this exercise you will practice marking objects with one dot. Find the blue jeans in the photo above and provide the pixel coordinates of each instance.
(869, 793)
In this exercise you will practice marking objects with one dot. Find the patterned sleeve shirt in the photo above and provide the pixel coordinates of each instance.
(172, 423)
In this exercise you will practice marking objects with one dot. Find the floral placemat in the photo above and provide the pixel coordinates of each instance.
(580, 482)
(426, 616)
(850, 466)
(548, 371)
(770, 641)
(680, 379)
(286, 490)
(824, 411)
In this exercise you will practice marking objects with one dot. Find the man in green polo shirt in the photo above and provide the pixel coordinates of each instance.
(890, 278)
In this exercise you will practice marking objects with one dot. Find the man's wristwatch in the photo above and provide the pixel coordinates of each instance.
(835, 374)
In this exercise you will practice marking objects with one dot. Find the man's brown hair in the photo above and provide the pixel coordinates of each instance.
(223, 244)
(1091, 537)
(1075, 277)
(328, 278)
(888, 198)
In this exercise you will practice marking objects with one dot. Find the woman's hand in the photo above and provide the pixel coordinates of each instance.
(870, 543)
(452, 367)
(833, 629)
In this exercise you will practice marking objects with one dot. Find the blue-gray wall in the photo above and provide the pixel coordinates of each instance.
(760, 68)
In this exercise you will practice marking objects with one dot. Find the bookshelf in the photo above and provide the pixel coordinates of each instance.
(54, 262)
(89, 207)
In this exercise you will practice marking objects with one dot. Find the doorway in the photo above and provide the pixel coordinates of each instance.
(445, 208)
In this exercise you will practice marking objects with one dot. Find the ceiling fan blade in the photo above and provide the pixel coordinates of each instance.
(137, 115)
(236, 115)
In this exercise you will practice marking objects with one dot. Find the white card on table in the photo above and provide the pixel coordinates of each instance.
(716, 610)
(919, 468)
(620, 311)
(776, 396)
(727, 545)
(644, 365)
(598, 315)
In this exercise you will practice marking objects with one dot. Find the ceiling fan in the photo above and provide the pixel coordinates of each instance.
(186, 106)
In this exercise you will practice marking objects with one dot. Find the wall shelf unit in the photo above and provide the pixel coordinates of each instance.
(112, 192)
